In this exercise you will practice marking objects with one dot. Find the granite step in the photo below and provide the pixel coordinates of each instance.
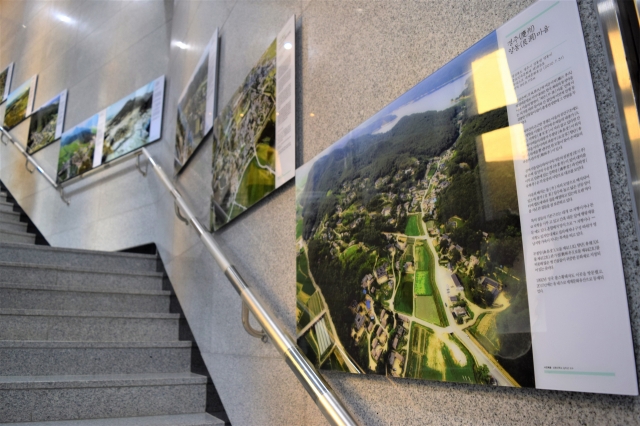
(6, 206)
(86, 259)
(13, 225)
(10, 216)
(50, 398)
(40, 358)
(16, 237)
(70, 298)
(13, 272)
(27, 324)
(200, 419)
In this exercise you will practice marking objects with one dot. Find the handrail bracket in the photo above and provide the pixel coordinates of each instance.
(182, 218)
(26, 166)
(62, 196)
(259, 334)
(143, 172)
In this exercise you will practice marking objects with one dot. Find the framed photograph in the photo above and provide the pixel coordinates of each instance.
(196, 106)
(254, 135)
(5, 82)
(77, 148)
(20, 103)
(466, 233)
(46, 123)
(134, 121)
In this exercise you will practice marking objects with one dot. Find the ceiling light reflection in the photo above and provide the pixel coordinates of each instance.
(181, 45)
(64, 18)
(288, 46)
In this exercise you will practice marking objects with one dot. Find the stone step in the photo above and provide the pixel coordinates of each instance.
(5, 206)
(200, 419)
(36, 358)
(10, 216)
(12, 272)
(26, 324)
(50, 398)
(70, 298)
(17, 237)
(12, 225)
(86, 259)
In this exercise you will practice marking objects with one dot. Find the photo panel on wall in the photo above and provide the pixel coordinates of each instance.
(5, 82)
(46, 123)
(20, 103)
(254, 135)
(466, 232)
(126, 126)
(197, 105)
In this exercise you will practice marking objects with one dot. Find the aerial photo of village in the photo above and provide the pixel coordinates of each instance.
(409, 248)
(16, 110)
(244, 154)
(76, 149)
(192, 108)
(3, 82)
(42, 127)
(128, 124)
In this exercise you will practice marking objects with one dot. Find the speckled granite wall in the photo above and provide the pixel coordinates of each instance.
(354, 58)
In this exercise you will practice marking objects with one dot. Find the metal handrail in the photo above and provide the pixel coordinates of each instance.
(313, 382)
(315, 385)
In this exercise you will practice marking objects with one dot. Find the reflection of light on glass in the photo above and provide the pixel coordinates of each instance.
(24, 26)
(288, 46)
(624, 81)
(64, 18)
(492, 83)
(181, 45)
(506, 144)
(312, 115)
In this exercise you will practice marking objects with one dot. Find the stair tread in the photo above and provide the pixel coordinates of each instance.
(82, 251)
(76, 269)
(11, 213)
(94, 314)
(36, 344)
(100, 380)
(28, 234)
(78, 289)
(199, 419)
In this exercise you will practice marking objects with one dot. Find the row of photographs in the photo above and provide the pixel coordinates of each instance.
(127, 125)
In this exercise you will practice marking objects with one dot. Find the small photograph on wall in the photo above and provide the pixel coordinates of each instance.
(466, 232)
(254, 135)
(5, 82)
(134, 121)
(20, 103)
(77, 148)
(196, 106)
(46, 123)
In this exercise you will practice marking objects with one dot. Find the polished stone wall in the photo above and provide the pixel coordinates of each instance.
(354, 57)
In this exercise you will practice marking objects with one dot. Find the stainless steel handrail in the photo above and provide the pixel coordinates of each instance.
(313, 382)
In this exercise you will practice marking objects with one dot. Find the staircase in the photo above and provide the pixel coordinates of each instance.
(87, 338)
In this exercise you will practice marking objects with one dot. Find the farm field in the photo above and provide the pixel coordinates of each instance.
(403, 301)
(413, 228)
(423, 284)
(256, 183)
(438, 357)
(427, 310)
(485, 332)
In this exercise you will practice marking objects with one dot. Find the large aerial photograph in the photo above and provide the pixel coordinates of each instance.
(76, 149)
(244, 154)
(42, 127)
(408, 240)
(17, 106)
(192, 108)
(128, 124)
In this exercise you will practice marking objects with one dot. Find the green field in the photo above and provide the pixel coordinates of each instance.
(425, 262)
(438, 357)
(413, 228)
(427, 310)
(266, 155)
(16, 110)
(485, 332)
(432, 171)
(335, 363)
(403, 301)
(299, 228)
(349, 252)
(256, 183)
(302, 275)
(423, 284)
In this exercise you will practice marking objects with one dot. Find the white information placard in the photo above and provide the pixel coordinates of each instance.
(579, 315)
(286, 103)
